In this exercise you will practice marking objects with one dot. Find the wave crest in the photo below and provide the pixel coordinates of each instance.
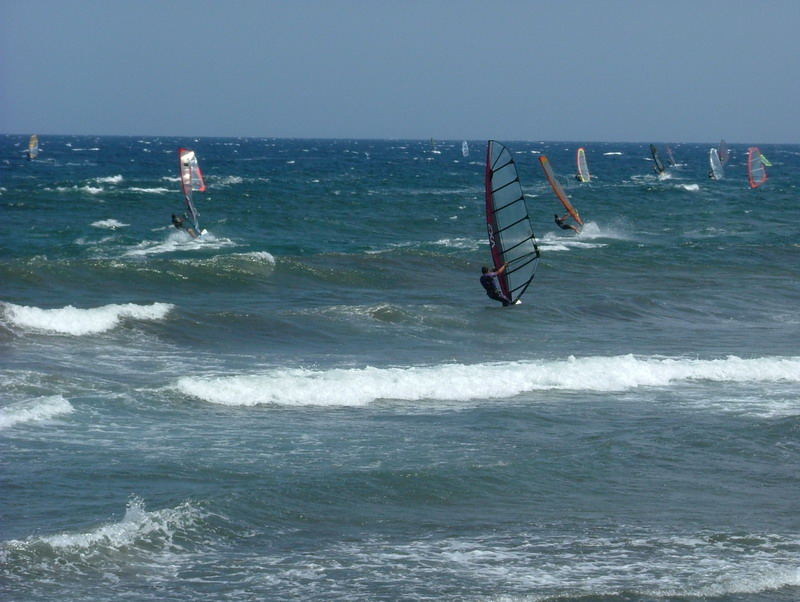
(35, 410)
(75, 321)
(460, 382)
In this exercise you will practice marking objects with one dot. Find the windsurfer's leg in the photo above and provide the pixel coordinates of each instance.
(499, 297)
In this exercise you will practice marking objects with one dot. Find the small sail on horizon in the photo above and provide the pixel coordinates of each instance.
(658, 165)
(508, 224)
(583, 167)
(670, 156)
(562, 196)
(464, 149)
(33, 147)
(756, 172)
(724, 155)
(191, 181)
(715, 165)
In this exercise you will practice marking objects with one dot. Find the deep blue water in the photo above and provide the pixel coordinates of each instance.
(316, 400)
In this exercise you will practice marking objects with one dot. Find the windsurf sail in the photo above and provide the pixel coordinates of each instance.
(715, 165)
(191, 180)
(511, 237)
(583, 167)
(562, 196)
(723, 152)
(670, 156)
(659, 166)
(33, 147)
(464, 149)
(756, 172)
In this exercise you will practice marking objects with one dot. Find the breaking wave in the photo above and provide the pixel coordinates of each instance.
(35, 410)
(461, 382)
(76, 321)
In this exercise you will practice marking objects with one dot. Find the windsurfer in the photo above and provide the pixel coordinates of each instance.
(561, 222)
(180, 223)
(489, 282)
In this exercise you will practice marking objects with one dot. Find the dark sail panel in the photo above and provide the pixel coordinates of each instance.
(511, 237)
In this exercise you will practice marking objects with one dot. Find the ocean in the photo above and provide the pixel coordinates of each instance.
(317, 401)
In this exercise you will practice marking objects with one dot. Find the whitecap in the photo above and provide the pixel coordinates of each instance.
(180, 241)
(156, 527)
(110, 179)
(78, 322)
(461, 382)
(35, 410)
(149, 190)
(110, 224)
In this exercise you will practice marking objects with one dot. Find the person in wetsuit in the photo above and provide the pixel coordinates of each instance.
(180, 223)
(561, 222)
(489, 282)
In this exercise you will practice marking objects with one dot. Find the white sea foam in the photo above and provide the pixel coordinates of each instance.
(110, 179)
(35, 410)
(75, 321)
(228, 180)
(180, 241)
(609, 154)
(89, 189)
(149, 190)
(159, 526)
(460, 382)
(110, 224)
(689, 187)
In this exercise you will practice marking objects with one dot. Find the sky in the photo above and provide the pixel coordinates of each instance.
(584, 70)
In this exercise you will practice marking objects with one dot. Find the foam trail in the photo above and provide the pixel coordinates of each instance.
(35, 410)
(75, 321)
(459, 382)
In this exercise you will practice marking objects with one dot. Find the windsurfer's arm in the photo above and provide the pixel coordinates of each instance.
(502, 268)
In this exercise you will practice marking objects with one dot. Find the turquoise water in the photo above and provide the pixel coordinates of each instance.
(317, 401)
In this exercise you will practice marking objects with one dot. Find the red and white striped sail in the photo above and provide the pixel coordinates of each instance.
(756, 172)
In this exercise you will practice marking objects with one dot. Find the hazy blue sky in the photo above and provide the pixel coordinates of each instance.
(585, 70)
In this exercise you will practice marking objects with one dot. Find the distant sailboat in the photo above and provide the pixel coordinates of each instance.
(724, 155)
(658, 165)
(715, 165)
(511, 238)
(33, 147)
(670, 156)
(756, 172)
(464, 149)
(191, 180)
(583, 168)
